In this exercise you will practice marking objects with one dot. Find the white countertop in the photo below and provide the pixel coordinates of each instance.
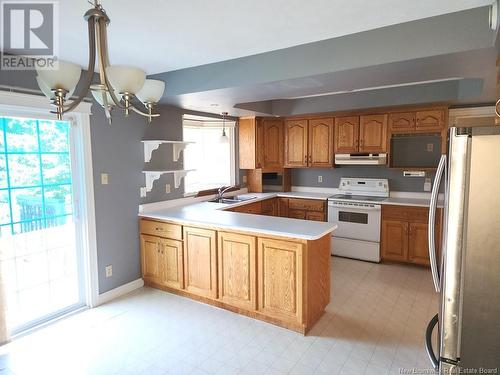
(212, 215)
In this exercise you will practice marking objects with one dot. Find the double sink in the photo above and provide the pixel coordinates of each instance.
(231, 200)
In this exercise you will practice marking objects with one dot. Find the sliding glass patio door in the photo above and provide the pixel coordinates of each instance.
(40, 259)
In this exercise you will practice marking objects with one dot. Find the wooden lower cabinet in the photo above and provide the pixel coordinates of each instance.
(150, 257)
(404, 236)
(304, 209)
(270, 207)
(161, 261)
(280, 279)
(237, 269)
(171, 263)
(284, 281)
(394, 240)
(200, 261)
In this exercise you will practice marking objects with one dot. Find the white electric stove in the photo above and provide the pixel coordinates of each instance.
(357, 214)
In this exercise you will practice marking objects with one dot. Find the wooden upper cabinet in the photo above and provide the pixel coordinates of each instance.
(402, 121)
(346, 135)
(296, 143)
(272, 152)
(430, 120)
(237, 270)
(321, 143)
(200, 261)
(249, 139)
(373, 134)
(280, 279)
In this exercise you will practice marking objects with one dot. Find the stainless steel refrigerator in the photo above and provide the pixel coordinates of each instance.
(466, 272)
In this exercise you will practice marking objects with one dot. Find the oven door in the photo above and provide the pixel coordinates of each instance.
(359, 221)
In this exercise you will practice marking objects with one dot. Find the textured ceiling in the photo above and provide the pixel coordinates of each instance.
(165, 35)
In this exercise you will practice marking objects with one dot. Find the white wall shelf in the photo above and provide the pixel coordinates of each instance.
(152, 176)
(153, 144)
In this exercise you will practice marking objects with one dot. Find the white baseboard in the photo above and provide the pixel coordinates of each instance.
(120, 291)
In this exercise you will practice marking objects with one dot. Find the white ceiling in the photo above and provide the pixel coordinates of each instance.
(164, 35)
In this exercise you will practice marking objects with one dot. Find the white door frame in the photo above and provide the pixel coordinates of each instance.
(35, 105)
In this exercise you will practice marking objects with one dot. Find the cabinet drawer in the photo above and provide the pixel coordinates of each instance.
(306, 204)
(395, 212)
(315, 216)
(297, 214)
(418, 215)
(157, 228)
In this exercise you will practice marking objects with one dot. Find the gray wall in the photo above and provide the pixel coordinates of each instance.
(117, 150)
(331, 177)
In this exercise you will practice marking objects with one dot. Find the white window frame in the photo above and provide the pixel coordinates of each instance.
(35, 106)
(230, 130)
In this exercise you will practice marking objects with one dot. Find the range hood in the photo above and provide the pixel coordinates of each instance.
(360, 159)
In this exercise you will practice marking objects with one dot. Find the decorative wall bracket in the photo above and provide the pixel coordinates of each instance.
(154, 144)
(152, 176)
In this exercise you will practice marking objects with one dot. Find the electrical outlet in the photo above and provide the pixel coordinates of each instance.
(109, 270)
(244, 179)
(167, 188)
(143, 192)
(430, 147)
(427, 184)
(320, 178)
(104, 178)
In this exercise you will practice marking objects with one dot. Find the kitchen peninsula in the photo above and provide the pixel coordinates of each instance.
(270, 268)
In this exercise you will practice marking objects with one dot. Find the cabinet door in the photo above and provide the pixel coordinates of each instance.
(280, 279)
(283, 207)
(346, 135)
(172, 268)
(296, 143)
(373, 134)
(394, 244)
(200, 262)
(418, 245)
(430, 120)
(402, 122)
(270, 207)
(150, 257)
(248, 143)
(321, 143)
(237, 270)
(273, 144)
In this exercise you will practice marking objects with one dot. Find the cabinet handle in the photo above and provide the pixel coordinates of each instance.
(159, 229)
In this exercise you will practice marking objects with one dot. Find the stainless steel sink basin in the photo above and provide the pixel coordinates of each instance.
(235, 199)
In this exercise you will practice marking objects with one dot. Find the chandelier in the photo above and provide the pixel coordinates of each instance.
(118, 85)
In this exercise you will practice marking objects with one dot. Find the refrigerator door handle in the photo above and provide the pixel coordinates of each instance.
(432, 221)
(428, 342)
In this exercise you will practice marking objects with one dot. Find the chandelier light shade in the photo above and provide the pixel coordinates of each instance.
(126, 79)
(47, 91)
(118, 85)
(98, 96)
(65, 76)
(152, 91)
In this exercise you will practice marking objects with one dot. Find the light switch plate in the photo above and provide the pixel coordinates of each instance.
(320, 178)
(167, 188)
(430, 147)
(244, 179)
(143, 192)
(104, 178)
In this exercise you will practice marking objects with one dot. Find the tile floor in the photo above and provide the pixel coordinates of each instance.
(374, 324)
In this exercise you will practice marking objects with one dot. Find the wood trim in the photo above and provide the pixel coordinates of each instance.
(254, 180)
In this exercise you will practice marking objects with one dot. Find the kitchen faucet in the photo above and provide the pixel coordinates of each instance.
(222, 190)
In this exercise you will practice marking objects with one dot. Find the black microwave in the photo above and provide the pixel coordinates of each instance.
(415, 150)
